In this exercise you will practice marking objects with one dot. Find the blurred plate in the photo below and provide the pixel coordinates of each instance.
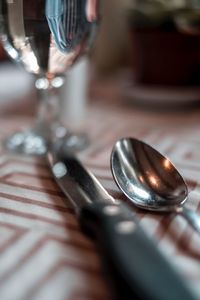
(161, 96)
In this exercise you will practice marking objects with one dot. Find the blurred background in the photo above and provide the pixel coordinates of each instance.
(155, 46)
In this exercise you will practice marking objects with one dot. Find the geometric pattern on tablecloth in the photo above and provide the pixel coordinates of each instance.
(43, 254)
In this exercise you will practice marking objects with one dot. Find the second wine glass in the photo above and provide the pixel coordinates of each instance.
(47, 37)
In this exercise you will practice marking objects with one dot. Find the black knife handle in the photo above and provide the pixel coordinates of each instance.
(138, 269)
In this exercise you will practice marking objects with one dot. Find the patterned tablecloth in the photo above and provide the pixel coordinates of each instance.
(43, 254)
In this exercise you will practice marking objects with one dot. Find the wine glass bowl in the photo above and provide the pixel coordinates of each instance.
(46, 37)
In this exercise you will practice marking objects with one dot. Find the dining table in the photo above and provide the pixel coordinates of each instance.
(43, 252)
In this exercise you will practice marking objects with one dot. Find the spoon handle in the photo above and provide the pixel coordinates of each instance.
(192, 217)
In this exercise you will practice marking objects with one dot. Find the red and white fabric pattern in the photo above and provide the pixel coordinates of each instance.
(43, 254)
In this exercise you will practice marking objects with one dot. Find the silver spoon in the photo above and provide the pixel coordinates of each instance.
(150, 180)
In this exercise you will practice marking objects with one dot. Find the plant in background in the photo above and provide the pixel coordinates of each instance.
(165, 42)
(184, 14)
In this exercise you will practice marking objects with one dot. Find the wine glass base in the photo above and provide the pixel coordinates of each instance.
(31, 143)
(27, 143)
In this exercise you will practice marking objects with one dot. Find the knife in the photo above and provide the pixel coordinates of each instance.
(137, 269)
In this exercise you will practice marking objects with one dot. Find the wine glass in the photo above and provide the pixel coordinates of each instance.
(46, 37)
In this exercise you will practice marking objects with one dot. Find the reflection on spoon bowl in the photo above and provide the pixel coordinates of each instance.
(149, 179)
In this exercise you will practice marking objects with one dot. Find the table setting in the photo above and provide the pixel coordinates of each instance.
(109, 213)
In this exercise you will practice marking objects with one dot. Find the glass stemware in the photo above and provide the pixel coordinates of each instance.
(47, 37)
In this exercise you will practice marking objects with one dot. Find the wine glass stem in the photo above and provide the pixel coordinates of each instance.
(49, 106)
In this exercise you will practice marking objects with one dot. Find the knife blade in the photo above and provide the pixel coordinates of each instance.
(137, 268)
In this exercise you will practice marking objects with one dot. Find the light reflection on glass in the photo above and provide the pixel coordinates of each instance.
(11, 51)
(28, 56)
(9, 48)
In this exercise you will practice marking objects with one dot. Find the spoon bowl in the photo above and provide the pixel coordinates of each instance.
(149, 179)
